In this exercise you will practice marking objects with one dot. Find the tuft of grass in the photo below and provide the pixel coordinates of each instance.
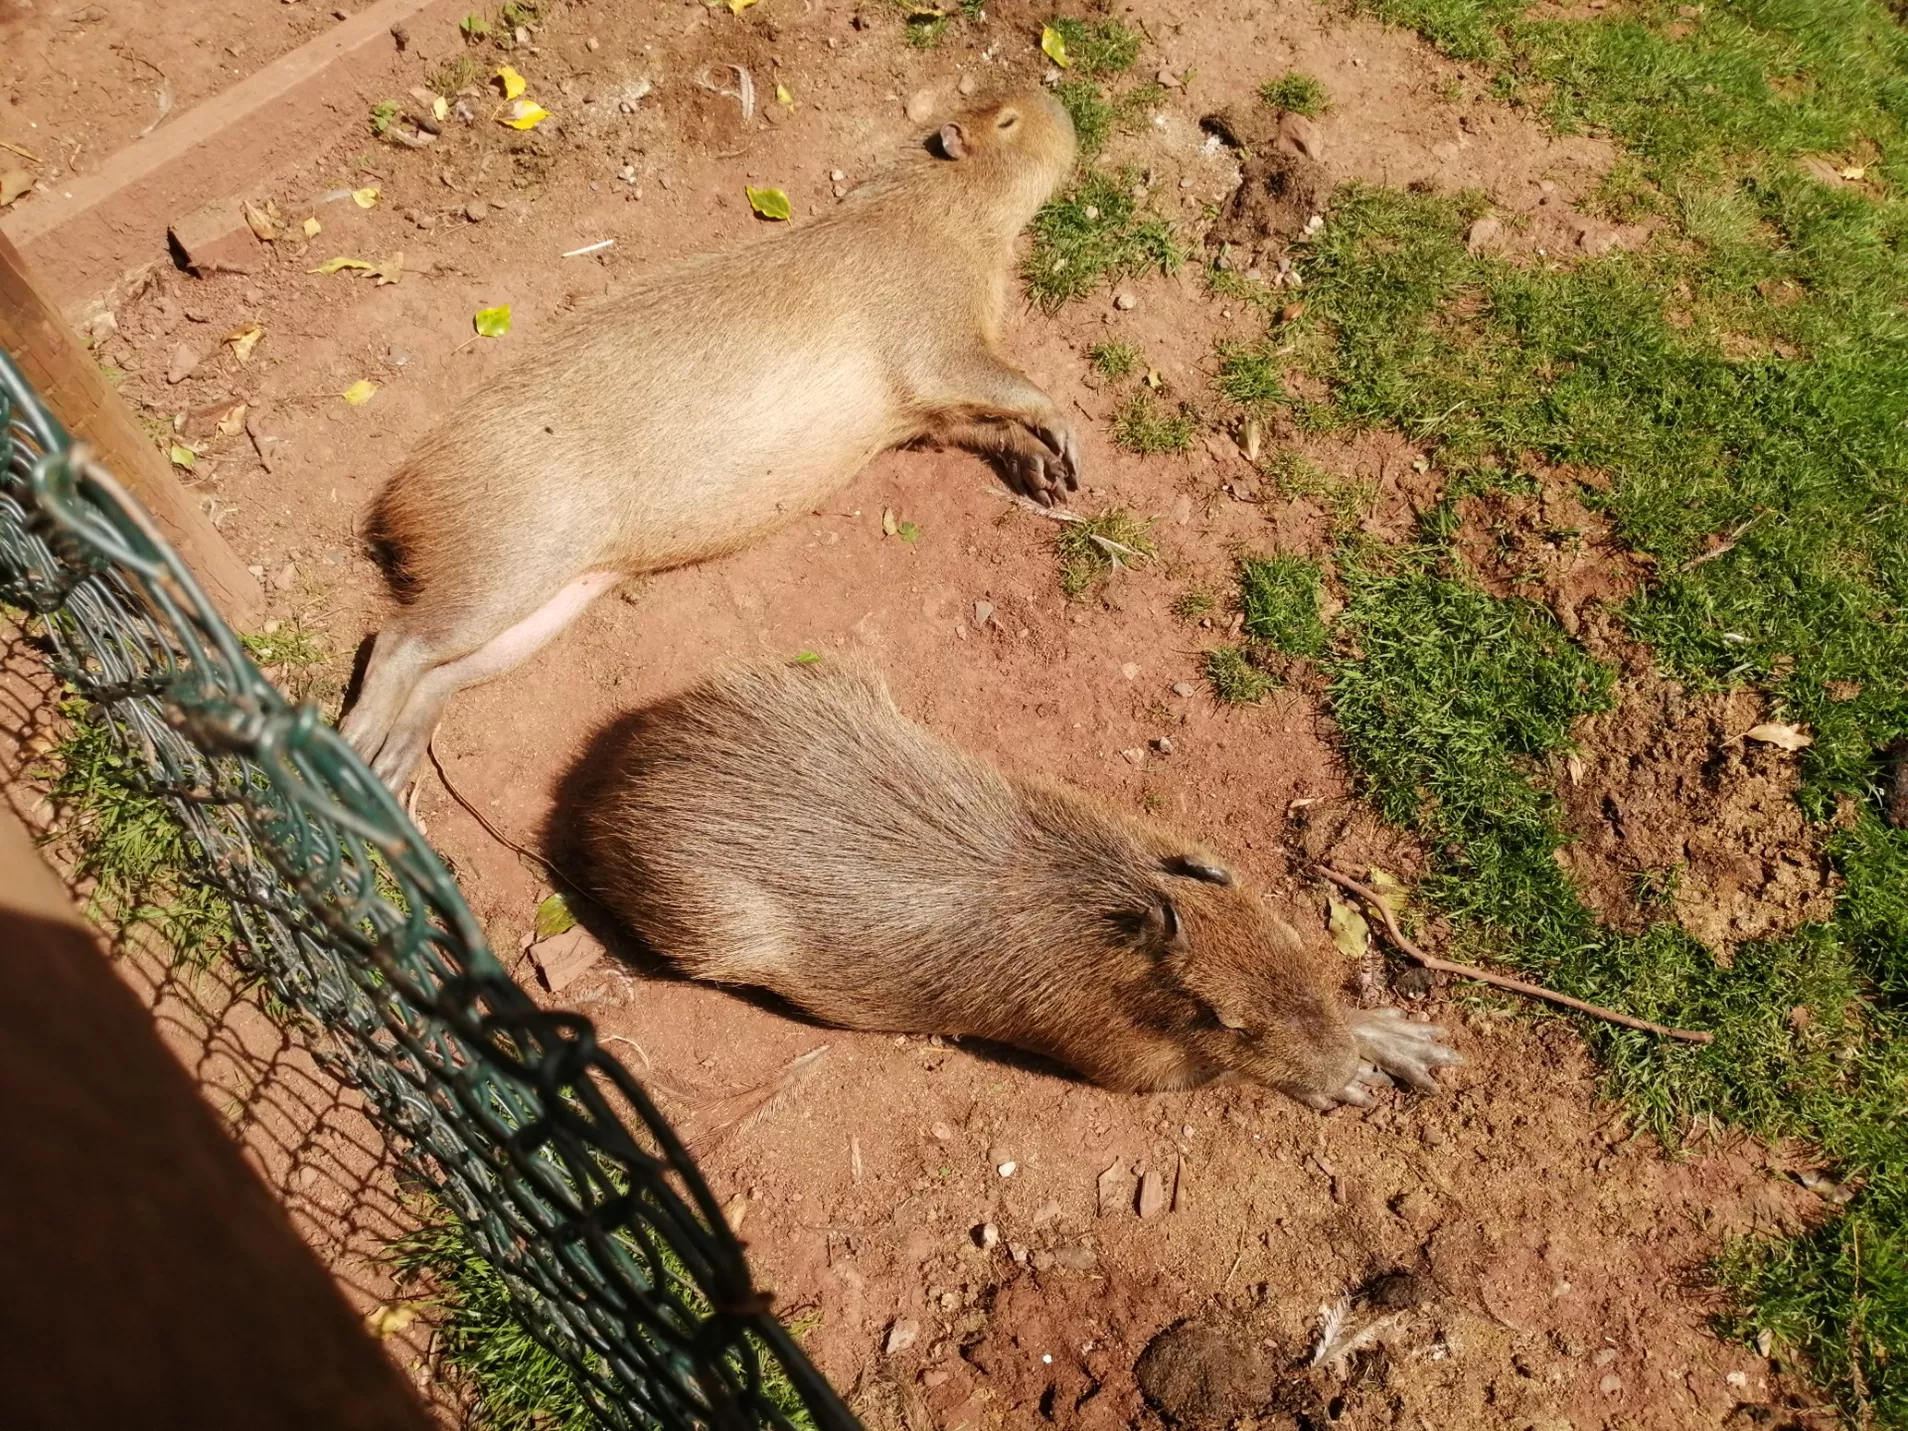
(383, 115)
(1295, 93)
(1279, 596)
(451, 78)
(1346, 501)
(1096, 233)
(509, 1381)
(1235, 678)
(1098, 47)
(1144, 426)
(1098, 112)
(1194, 604)
(1115, 360)
(1250, 374)
(474, 28)
(1093, 548)
(130, 847)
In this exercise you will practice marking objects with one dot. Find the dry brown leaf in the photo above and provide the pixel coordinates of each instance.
(13, 183)
(1786, 737)
(1348, 928)
(265, 221)
(243, 339)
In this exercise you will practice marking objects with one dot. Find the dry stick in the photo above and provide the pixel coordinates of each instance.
(498, 835)
(1502, 981)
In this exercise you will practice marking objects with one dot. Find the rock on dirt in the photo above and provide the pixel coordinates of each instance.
(1205, 1372)
(1279, 191)
(1152, 1194)
(185, 359)
(1300, 135)
(902, 1334)
(1483, 234)
(215, 239)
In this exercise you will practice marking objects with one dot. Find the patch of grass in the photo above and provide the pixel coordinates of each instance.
(1346, 501)
(1098, 47)
(1098, 112)
(1143, 425)
(451, 78)
(1115, 360)
(1250, 374)
(510, 1382)
(384, 114)
(1279, 596)
(1091, 549)
(474, 27)
(520, 13)
(1195, 603)
(1295, 93)
(1234, 677)
(1737, 382)
(130, 848)
(1095, 234)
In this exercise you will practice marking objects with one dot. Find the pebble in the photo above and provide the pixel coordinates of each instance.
(476, 211)
(983, 613)
(1125, 301)
(1135, 755)
(1047, 1212)
(987, 1235)
(920, 105)
(1611, 1384)
(1130, 670)
(592, 44)
(283, 578)
(942, 1133)
(1185, 690)
(1076, 1258)
(835, 176)
(966, 86)
(1164, 745)
(1300, 135)
(1483, 233)
(1152, 1194)
(185, 358)
(1042, 1261)
(902, 1334)
(1006, 1170)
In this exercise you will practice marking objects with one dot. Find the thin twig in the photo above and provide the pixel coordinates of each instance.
(1502, 981)
(1052, 514)
(498, 835)
(23, 153)
(1728, 545)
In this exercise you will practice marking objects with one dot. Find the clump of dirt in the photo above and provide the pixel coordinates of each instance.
(1551, 546)
(1675, 814)
(1205, 1370)
(1279, 190)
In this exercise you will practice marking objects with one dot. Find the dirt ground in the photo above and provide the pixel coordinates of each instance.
(1556, 1259)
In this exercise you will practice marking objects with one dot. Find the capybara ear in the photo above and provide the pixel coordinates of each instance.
(1163, 926)
(1187, 867)
(953, 141)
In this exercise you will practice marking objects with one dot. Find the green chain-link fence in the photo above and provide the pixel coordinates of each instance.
(565, 1174)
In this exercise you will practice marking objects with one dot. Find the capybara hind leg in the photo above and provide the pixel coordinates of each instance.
(1029, 465)
(411, 731)
(399, 659)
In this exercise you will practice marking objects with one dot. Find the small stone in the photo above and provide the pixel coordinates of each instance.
(983, 613)
(185, 359)
(840, 191)
(1596, 239)
(1152, 1194)
(592, 44)
(1415, 982)
(1130, 670)
(1135, 755)
(1765, 1342)
(836, 176)
(1164, 745)
(476, 211)
(966, 86)
(422, 220)
(1737, 1379)
(1018, 1251)
(1007, 1169)
(283, 578)
(1483, 233)
(942, 1133)
(564, 958)
(1115, 1189)
(464, 112)
(1042, 1261)
(987, 1236)
(1047, 1212)
(902, 1334)
(1604, 1356)
(1125, 301)
(1167, 78)
(1301, 135)
(920, 105)
(1611, 1384)
(1185, 690)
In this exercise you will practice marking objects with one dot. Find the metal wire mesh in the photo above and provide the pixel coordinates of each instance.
(566, 1175)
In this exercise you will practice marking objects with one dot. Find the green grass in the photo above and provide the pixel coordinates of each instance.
(1144, 425)
(1095, 234)
(508, 1380)
(129, 849)
(384, 114)
(1235, 678)
(1739, 380)
(1099, 113)
(1195, 603)
(1295, 93)
(453, 76)
(1250, 374)
(1098, 48)
(1115, 360)
(1090, 549)
(1279, 596)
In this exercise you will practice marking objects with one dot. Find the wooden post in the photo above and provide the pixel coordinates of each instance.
(151, 1279)
(59, 365)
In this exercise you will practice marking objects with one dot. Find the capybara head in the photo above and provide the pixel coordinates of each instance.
(1023, 141)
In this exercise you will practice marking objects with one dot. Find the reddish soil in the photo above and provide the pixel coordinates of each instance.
(1561, 1256)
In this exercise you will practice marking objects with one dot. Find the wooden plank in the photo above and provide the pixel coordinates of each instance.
(89, 231)
(152, 1280)
(59, 366)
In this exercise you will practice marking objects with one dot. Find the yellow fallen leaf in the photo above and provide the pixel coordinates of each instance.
(1855, 171)
(335, 265)
(553, 917)
(1390, 889)
(1054, 46)
(183, 456)
(492, 322)
(1785, 737)
(387, 1320)
(782, 96)
(769, 203)
(1348, 928)
(390, 271)
(366, 197)
(736, 7)
(313, 228)
(13, 183)
(233, 420)
(264, 221)
(440, 107)
(243, 339)
(523, 114)
(359, 393)
(514, 84)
